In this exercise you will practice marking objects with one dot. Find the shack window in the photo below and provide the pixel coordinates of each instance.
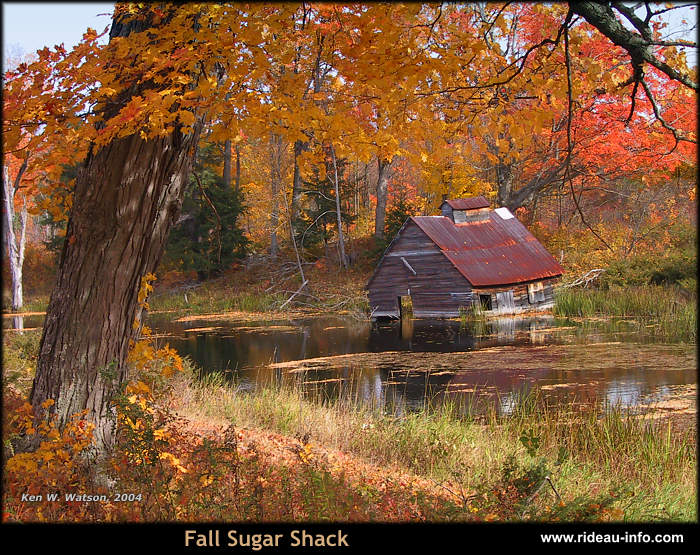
(535, 292)
(485, 301)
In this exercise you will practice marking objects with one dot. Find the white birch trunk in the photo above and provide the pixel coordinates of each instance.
(341, 240)
(384, 167)
(13, 248)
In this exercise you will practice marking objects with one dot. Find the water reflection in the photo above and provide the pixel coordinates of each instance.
(244, 352)
(624, 372)
(18, 323)
(454, 335)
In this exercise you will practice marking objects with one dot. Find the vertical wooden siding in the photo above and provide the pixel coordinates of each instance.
(437, 289)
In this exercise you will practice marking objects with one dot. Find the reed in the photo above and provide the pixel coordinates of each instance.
(648, 465)
(665, 313)
(211, 299)
(605, 462)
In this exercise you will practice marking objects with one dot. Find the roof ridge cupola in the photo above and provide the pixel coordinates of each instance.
(464, 210)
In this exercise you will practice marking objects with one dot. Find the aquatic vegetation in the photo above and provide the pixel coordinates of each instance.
(467, 455)
(194, 446)
(666, 313)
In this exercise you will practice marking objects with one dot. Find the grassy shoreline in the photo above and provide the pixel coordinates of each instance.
(666, 313)
(446, 466)
(539, 463)
(645, 469)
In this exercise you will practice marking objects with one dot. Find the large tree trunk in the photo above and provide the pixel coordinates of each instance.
(127, 195)
(504, 182)
(126, 198)
(527, 193)
(237, 183)
(382, 185)
(227, 163)
(275, 183)
(367, 189)
(299, 147)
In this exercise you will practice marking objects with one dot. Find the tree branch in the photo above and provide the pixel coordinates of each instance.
(216, 213)
(602, 17)
(567, 171)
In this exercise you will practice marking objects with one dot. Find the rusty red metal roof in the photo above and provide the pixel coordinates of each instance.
(495, 251)
(470, 203)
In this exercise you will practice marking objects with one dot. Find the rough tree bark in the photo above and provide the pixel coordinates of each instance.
(237, 183)
(639, 45)
(227, 162)
(275, 183)
(127, 196)
(504, 182)
(299, 147)
(527, 193)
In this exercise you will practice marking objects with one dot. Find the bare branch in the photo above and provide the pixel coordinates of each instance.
(681, 43)
(664, 123)
(638, 46)
(674, 7)
(567, 171)
(634, 99)
(20, 173)
(641, 26)
(486, 33)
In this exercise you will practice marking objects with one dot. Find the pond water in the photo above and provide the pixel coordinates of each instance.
(402, 365)
(399, 366)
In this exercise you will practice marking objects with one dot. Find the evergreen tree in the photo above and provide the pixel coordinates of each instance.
(207, 237)
(396, 216)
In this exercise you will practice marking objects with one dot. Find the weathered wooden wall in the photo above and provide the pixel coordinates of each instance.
(437, 289)
(521, 301)
(464, 216)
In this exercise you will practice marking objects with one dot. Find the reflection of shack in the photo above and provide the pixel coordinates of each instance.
(517, 330)
(420, 335)
(505, 328)
(505, 380)
(470, 254)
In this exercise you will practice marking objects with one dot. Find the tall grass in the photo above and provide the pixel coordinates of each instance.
(474, 319)
(32, 303)
(612, 452)
(19, 357)
(646, 466)
(216, 299)
(662, 312)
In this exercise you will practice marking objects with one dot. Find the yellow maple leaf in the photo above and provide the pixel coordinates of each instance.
(186, 117)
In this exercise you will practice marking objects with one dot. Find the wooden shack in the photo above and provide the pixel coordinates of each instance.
(469, 254)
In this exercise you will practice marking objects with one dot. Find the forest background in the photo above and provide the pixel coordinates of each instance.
(635, 190)
(294, 161)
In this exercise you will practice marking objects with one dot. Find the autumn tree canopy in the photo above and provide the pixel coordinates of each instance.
(362, 77)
